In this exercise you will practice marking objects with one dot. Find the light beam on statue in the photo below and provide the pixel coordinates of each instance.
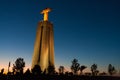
(45, 12)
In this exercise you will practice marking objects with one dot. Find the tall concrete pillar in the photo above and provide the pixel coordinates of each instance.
(43, 54)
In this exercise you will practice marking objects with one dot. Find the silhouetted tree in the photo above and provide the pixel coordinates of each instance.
(56, 73)
(27, 72)
(61, 69)
(96, 72)
(75, 66)
(88, 74)
(13, 69)
(94, 69)
(2, 71)
(103, 74)
(19, 65)
(66, 73)
(28, 75)
(82, 68)
(111, 69)
(8, 67)
(70, 73)
(51, 70)
(36, 70)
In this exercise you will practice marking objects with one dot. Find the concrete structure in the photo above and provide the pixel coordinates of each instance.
(44, 45)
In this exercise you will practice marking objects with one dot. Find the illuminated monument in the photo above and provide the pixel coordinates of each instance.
(44, 45)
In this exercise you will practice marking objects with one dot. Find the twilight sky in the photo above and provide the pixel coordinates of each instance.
(88, 30)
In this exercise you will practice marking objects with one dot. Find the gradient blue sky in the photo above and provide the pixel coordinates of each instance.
(88, 30)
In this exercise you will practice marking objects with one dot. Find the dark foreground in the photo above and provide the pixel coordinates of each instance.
(56, 77)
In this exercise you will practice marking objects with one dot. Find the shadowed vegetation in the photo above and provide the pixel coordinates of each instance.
(50, 73)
